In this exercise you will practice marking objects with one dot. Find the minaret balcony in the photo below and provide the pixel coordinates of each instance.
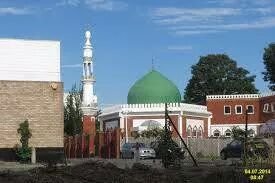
(88, 78)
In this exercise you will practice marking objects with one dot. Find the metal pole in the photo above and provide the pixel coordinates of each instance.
(170, 121)
(245, 137)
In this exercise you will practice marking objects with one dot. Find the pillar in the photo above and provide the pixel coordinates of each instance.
(89, 128)
(33, 157)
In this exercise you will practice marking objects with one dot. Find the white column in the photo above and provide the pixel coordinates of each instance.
(209, 125)
(126, 127)
(33, 157)
(180, 126)
(101, 125)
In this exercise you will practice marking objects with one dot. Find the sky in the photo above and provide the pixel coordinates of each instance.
(128, 34)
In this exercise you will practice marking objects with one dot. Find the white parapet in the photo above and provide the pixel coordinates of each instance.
(242, 96)
(160, 107)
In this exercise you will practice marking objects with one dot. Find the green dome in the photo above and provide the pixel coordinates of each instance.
(153, 88)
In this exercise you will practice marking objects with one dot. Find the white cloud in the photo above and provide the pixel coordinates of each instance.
(184, 21)
(180, 48)
(264, 23)
(209, 12)
(72, 66)
(168, 16)
(15, 11)
(195, 32)
(108, 5)
(242, 2)
(68, 2)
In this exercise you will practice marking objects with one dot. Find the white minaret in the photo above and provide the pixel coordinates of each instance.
(89, 101)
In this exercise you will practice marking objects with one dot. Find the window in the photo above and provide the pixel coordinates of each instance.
(238, 109)
(227, 109)
(199, 133)
(250, 109)
(194, 132)
(227, 133)
(273, 107)
(189, 131)
(266, 106)
(216, 133)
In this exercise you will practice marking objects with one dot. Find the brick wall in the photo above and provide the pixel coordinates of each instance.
(217, 109)
(268, 115)
(40, 104)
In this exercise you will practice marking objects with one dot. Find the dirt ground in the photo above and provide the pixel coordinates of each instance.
(105, 172)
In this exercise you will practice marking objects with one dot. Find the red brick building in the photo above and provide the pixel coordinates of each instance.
(230, 110)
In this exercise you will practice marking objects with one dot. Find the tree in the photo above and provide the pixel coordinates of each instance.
(217, 75)
(269, 62)
(73, 113)
(239, 134)
(24, 152)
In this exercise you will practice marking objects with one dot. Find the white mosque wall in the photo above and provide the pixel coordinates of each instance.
(127, 108)
(223, 128)
(194, 123)
(29, 60)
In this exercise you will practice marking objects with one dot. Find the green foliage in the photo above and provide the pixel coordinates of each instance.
(217, 75)
(97, 122)
(269, 62)
(24, 152)
(239, 134)
(152, 133)
(73, 113)
(167, 148)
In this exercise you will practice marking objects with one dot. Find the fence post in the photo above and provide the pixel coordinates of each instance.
(117, 143)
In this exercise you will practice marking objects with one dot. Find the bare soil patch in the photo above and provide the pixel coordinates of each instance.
(100, 172)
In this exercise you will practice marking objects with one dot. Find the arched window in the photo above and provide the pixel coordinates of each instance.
(194, 132)
(216, 133)
(227, 133)
(199, 132)
(189, 131)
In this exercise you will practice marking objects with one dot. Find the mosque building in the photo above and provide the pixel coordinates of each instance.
(146, 105)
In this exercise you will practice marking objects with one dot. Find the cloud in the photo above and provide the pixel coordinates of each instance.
(183, 21)
(15, 11)
(72, 66)
(180, 48)
(242, 2)
(195, 32)
(176, 15)
(264, 23)
(68, 2)
(108, 5)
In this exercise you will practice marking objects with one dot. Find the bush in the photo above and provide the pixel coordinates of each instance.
(24, 152)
